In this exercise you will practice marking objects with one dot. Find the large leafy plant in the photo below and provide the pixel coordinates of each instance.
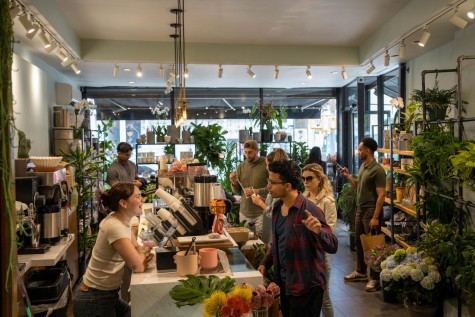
(347, 204)
(435, 97)
(269, 117)
(210, 144)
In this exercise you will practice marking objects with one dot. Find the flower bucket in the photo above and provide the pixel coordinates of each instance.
(260, 312)
(274, 309)
(389, 296)
(420, 311)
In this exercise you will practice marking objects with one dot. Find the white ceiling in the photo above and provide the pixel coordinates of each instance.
(292, 34)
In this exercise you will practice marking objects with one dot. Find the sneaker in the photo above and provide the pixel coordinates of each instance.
(355, 276)
(372, 286)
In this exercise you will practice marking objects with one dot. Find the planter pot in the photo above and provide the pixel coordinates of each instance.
(399, 194)
(244, 136)
(404, 139)
(256, 136)
(283, 135)
(260, 312)
(150, 137)
(420, 311)
(437, 113)
(266, 135)
(160, 138)
(277, 137)
(186, 136)
(389, 296)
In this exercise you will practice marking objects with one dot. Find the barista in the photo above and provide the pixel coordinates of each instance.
(123, 169)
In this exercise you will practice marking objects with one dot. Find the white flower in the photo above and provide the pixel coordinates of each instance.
(385, 275)
(417, 275)
(435, 276)
(423, 267)
(428, 283)
(247, 110)
(397, 102)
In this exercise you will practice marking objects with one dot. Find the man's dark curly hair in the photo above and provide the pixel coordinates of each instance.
(370, 144)
(288, 171)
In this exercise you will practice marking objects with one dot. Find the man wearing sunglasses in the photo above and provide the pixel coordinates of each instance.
(300, 239)
(370, 191)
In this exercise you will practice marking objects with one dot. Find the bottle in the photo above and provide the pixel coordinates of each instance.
(74, 197)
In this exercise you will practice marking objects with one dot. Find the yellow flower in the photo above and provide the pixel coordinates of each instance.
(212, 304)
(242, 291)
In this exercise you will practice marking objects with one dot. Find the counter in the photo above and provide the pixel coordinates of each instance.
(149, 290)
(50, 257)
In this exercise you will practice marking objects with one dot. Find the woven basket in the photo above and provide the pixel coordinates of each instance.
(239, 234)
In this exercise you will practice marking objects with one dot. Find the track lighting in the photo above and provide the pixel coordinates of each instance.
(402, 50)
(115, 72)
(44, 40)
(309, 74)
(69, 60)
(344, 75)
(59, 52)
(250, 72)
(220, 71)
(457, 21)
(75, 68)
(139, 70)
(34, 29)
(276, 72)
(424, 37)
(387, 58)
(14, 10)
(471, 13)
(371, 68)
(26, 23)
(161, 71)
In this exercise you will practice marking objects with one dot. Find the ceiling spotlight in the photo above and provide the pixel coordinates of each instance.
(161, 71)
(424, 37)
(14, 10)
(61, 55)
(371, 68)
(220, 71)
(471, 13)
(250, 72)
(69, 60)
(387, 58)
(457, 21)
(26, 23)
(402, 50)
(309, 74)
(139, 70)
(126, 69)
(186, 72)
(44, 40)
(51, 48)
(76, 69)
(276, 72)
(115, 72)
(35, 27)
(344, 75)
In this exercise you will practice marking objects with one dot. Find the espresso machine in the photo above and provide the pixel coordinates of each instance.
(202, 199)
(48, 212)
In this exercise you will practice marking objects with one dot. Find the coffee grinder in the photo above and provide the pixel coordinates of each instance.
(49, 213)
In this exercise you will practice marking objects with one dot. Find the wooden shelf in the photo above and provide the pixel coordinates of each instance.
(395, 169)
(386, 151)
(397, 238)
(407, 210)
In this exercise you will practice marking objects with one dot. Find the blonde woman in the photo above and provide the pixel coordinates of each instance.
(276, 155)
(319, 191)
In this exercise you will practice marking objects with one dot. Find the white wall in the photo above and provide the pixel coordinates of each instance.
(33, 86)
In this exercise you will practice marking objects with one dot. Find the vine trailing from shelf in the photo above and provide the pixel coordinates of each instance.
(6, 119)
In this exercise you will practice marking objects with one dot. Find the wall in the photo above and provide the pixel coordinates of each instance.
(33, 86)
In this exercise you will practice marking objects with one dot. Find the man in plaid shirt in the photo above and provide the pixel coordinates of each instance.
(300, 239)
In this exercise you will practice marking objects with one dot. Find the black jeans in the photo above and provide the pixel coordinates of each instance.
(362, 220)
(306, 305)
(95, 302)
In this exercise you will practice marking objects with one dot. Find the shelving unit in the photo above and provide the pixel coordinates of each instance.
(160, 151)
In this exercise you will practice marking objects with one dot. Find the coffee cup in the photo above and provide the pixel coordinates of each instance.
(186, 264)
(208, 258)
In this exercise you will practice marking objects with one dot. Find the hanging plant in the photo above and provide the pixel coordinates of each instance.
(7, 218)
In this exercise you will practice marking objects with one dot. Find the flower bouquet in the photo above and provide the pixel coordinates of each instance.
(379, 254)
(236, 303)
(263, 299)
(414, 276)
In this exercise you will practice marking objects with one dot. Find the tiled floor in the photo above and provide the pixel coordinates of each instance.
(350, 299)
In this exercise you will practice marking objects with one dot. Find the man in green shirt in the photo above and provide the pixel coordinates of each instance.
(370, 191)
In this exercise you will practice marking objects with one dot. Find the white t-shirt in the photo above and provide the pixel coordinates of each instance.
(106, 266)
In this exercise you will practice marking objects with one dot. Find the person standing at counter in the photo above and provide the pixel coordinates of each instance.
(300, 239)
(115, 247)
(123, 170)
(252, 174)
(319, 191)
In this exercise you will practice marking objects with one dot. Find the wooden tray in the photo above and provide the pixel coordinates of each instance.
(218, 245)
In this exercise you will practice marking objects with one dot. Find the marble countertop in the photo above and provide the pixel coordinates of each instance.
(50, 257)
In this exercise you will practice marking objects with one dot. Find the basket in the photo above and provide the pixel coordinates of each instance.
(239, 234)
(46, 163)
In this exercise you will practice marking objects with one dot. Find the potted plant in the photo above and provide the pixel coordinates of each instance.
(210, 144)
(160, 132)
(169, 151)
(416, 277)
(267, 118)
(437, 100)
(463, 165)
(300, 152)
(346, 203)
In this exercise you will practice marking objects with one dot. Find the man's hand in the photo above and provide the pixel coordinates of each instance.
(312, 223)
(249, 191)
(374, 223)
(262, 269)
(259, 201)
(344, 172)
(233, 178)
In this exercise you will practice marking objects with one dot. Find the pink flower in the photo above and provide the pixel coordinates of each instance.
(274, 288)
(267, 299)
(256, 301)
(260, 289)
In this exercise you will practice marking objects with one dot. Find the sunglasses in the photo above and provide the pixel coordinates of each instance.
(308, 179)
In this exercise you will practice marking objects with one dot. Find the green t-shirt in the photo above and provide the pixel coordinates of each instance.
(370, 177)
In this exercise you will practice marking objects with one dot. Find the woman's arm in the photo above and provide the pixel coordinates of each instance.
(137, 261)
